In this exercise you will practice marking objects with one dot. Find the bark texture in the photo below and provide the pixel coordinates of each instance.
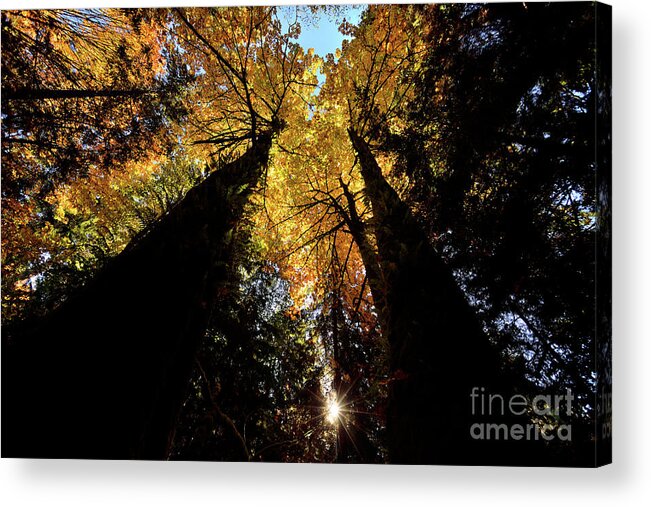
(438, 350)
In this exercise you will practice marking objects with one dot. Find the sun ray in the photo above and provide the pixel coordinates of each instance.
(333, 410)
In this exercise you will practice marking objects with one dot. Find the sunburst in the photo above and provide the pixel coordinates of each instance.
(333, 410)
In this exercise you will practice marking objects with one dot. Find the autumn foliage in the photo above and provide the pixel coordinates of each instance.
(395, 216)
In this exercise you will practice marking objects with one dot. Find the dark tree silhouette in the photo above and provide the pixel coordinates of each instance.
(104, 375)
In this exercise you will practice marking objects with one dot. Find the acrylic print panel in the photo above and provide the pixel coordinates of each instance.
(343, 234)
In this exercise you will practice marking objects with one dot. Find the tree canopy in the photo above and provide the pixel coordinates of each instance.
(341, 245)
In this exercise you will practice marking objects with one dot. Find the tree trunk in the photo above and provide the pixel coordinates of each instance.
(42, 94)
(438, 350)
(104, 375)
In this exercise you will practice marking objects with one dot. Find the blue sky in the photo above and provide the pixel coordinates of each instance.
(322, 33)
